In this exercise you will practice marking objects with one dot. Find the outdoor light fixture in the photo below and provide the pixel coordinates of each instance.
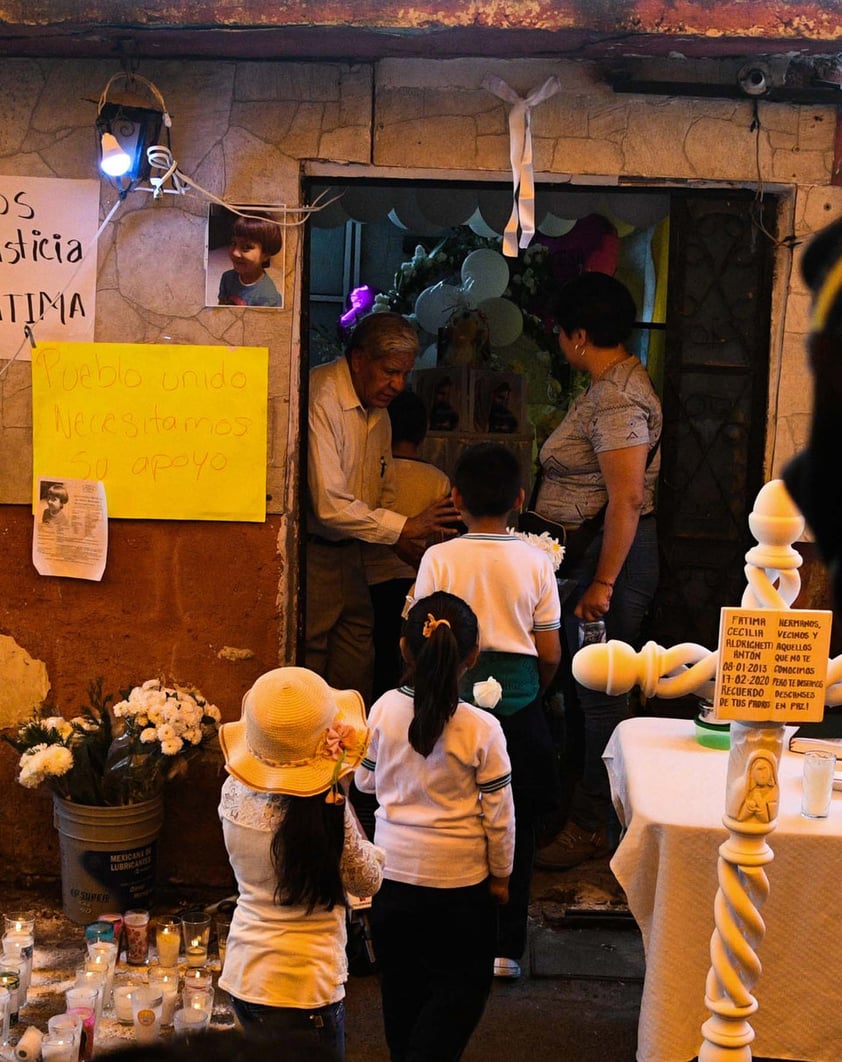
(125, 131)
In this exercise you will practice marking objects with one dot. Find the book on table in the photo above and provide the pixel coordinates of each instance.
(825, 734)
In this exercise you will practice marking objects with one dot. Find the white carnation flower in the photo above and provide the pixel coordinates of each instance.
(171, 748)
(57, 760)
(58, 724)
(148, 735)
(487, 694)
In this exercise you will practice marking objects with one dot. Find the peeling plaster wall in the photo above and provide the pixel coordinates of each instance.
(215, 604)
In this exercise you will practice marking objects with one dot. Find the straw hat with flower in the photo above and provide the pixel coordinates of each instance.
(296, 734)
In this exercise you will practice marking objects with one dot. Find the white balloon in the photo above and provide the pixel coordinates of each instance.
(434, 306)
(554, 226)
(505, 321)
(485, 274)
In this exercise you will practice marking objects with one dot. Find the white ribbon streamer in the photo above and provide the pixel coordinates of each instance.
(520, 153)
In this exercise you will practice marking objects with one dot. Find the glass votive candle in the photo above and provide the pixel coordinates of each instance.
(10, 979)
(5, 1010)
(198, 977)
(102, 955)
(80, 998)
(190, 1020)
(67, 1026)
(168, 940)
(197, 998)
(147, 1004)
(136, 926)
(99, 931)
(58, 1047)
(20, 947)
(19, 922)
(223, 925)
(166, 979)
(123, 1003)
(87, 1017)
(116, 921)
(196, 936)
(93, 979)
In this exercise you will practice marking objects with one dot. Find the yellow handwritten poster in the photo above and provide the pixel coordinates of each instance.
(174, 432)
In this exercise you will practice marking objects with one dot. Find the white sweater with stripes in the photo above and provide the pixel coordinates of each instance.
(447, 820)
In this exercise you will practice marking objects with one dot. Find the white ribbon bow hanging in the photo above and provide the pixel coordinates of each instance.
(520, 152)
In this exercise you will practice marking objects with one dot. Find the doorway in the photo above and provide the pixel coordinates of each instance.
(699, 263)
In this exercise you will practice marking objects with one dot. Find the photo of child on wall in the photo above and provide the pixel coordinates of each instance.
(241, 246)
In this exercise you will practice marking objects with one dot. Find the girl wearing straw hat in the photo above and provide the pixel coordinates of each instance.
(442, 777)
(295, 850)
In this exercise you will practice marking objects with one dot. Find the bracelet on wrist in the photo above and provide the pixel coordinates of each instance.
(604, 582)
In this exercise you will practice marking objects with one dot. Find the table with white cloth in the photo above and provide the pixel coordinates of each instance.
(669, 792)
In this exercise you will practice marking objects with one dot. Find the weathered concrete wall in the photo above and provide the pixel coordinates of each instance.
(176, 594)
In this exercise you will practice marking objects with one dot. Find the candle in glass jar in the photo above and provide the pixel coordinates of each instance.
(196, 953)
(123, 1003)
(168, 939)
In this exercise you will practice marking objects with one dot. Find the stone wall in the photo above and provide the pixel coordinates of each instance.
(215, 604)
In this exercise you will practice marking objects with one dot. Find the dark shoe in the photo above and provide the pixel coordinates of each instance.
(571, 847)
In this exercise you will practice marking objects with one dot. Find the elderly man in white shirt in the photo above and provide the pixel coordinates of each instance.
(351, 485)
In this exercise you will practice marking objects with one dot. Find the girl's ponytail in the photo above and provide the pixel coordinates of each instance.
(441, 632)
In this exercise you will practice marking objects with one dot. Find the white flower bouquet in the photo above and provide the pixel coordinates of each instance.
(120, 754)
(545, 541)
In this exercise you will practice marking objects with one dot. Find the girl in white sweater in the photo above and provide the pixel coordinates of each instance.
(441, 774)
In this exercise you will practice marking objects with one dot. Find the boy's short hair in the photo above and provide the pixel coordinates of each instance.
(488, 477)
(408, 415)
(59, 491)
(261, 230)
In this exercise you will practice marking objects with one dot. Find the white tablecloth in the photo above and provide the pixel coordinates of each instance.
(670, 795)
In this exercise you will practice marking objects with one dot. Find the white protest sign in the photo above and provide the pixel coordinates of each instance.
(47, 261)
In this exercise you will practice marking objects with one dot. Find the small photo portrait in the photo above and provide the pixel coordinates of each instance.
(498, 403)
(444, 393)
(54, 496)
(243, 252)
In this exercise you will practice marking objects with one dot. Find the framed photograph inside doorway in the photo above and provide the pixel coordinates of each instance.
(444, 392)
(252, 227)
(498, 403)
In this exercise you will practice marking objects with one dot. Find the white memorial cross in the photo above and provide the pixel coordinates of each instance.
(771, 668)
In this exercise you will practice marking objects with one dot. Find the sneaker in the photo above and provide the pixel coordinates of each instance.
(506, 968)
(571, 847)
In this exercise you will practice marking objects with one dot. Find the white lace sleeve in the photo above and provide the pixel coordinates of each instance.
(261, 811)
(361, 865)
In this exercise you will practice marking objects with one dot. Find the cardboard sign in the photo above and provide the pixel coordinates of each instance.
(772, 664)
(174, 432)
(47, 261)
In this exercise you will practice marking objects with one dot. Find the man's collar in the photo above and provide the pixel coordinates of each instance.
(347, 392)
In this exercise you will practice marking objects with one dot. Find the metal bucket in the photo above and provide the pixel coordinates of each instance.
(108, 856)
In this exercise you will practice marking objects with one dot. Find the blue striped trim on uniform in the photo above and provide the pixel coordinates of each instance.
(369, 765)
(545, 626)
(486, 537)
(496, 783)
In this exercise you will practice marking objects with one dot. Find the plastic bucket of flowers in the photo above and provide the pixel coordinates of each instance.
(107, 769)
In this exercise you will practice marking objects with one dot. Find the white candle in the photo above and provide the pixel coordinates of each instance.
(169, 942)
(123, 1003)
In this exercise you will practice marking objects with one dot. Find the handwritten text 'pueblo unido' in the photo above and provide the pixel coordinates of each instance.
(104, 373)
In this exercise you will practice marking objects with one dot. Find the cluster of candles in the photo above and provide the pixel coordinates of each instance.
(148, 1005)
